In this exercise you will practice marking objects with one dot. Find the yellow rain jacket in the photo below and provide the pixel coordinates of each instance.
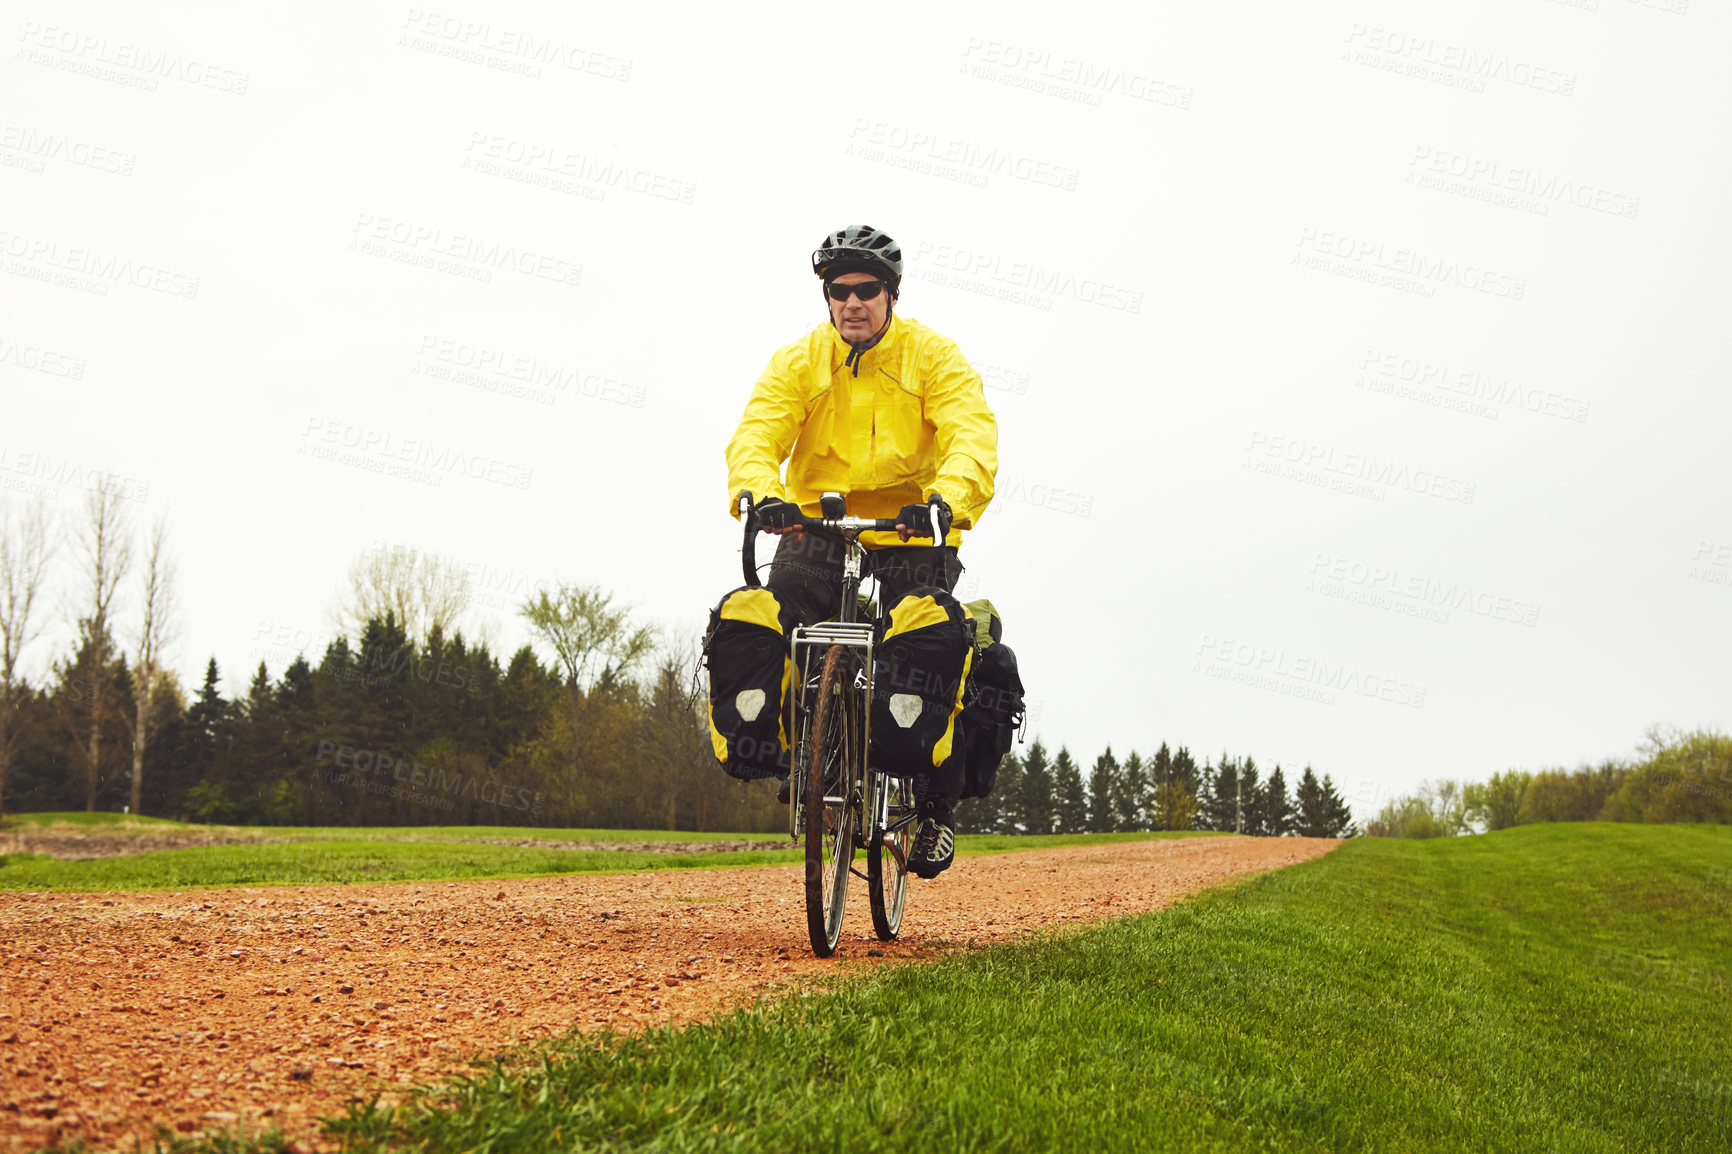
(915, 420)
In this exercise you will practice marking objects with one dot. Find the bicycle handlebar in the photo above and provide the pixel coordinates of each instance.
(854, 525)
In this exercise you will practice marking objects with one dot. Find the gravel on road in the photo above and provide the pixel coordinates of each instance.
(261, 1006)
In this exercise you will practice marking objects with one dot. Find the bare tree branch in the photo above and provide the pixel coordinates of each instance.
(105, 551)
(156, 630)
(25, 552)
(424, 591)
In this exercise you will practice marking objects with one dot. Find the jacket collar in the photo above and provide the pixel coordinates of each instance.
(839, 348)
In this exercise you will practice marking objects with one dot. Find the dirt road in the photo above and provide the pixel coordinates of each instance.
(276, 1005)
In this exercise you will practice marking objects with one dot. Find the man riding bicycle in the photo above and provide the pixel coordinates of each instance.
(887, 412)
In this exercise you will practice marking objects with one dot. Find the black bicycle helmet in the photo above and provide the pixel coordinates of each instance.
(860, 248)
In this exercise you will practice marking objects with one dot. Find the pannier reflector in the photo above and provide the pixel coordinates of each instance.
(750, 702)
(905, 708)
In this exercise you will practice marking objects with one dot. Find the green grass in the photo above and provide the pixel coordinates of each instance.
(324, 854)
(311, 863)
(1559, 987)
(92, 822)
(122, 824)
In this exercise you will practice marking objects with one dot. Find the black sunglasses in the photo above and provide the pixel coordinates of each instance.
(866, 290)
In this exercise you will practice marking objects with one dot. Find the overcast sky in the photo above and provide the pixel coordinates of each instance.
(1360, 368)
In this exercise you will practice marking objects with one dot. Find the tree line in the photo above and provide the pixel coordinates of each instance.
(1041, 793)
(403, 720)
(1677, 776)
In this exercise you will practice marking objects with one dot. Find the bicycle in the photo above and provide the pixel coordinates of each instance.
(835, 797)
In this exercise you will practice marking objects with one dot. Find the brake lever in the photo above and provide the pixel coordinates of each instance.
(940, 517)
(749, 548)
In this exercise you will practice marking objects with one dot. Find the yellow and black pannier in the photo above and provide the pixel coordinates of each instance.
(993, 711)
(923, 650)
(746, 652)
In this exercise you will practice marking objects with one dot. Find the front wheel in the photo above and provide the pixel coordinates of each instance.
(829, 781)
(887, 859)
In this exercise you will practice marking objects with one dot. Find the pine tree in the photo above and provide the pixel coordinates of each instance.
(1070, 805)
(1185, 771)
(1008, 812)
(1102, 782)
(1277, 815)
(1037, 801)
(975, 815)
(296, 706)
(1308, 801)
(1337, 814)
(1250, 800)
(1131, 804)
(208, 737)
(1160, 768)
(1175, 799)
(1205, 779)
(1220, 809)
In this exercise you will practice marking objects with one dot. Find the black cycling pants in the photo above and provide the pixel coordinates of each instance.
(806, 575)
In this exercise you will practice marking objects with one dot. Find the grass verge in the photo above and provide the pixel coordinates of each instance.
(323, 855)
(323, 862)
(1560, 987)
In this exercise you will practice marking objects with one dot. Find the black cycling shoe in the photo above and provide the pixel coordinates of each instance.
(785, 791)
(934, 848)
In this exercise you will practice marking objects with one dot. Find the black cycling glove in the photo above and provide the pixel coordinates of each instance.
(918, 518)
(775, 513)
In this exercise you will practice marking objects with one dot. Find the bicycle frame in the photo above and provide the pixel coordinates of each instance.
(860, 815)
(808, 641)
(871, 794)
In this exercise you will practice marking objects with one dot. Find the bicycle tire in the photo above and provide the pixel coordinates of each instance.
(829, 827)
(887, 861)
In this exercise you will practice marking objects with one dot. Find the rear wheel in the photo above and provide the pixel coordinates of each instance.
(887, 859)
(828, 776)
